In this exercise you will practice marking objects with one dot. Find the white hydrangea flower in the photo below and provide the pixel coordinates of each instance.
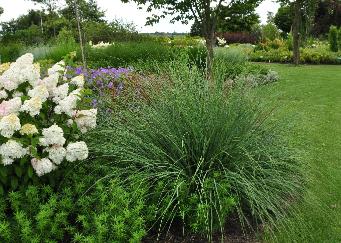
(3, 94)
(59, 93)
(68, 104)
(32, 106)
(8, 81)
(56, 153)
(10, 106)
(78, 80)
(11, 150)
(17, 94)
(24, 74)
(76, 151)
(28, 129)
(43, 166)
(53, 135)
(69, 122)
(39, 91)
(58, 68)
(85, 119)
(50, 81)
(23, 70)
(25, 59)
(9, 125)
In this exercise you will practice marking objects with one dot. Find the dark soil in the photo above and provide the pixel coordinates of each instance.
(232, 234)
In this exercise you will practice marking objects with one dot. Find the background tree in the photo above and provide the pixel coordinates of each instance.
(270, 17)
(45, 27)
(328, 13)
(1, 10)
(50, 5)
(303, 13)
(333, 38)
(283, 18)
(28, 28)
(325, 14)
(196, 29)
(270, 32)
(88, 10)
(240, 16)
(205, 12)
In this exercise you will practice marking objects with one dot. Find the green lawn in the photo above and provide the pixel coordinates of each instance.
(309, 98)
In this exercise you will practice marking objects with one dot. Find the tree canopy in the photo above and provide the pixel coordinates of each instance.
(204, 12)
(44, 25)
(51, 5)
(237, 17)
(240, 16)
(328, 13)
(283, 18)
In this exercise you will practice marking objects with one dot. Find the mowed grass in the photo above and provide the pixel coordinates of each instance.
(309, 100)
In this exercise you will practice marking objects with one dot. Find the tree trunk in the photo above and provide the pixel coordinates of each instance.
(210, 53)
(296, 32)
(80, 33)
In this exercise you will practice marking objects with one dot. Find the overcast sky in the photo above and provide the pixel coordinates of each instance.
(126, 11)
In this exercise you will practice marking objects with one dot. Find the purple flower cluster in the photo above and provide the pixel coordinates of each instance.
(103, 79)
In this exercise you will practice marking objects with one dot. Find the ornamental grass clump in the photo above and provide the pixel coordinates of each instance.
(205, 155)
(40, 121)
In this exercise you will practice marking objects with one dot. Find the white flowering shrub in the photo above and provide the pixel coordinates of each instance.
(221, 41)
(100, 45)
(41, 120)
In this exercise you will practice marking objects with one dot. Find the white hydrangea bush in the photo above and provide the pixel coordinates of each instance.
(41, 119)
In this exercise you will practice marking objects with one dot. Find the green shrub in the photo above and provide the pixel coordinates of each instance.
(83, 210)
(203, 154)
(276, 43)
(279, 55)
(333, 39)
(290, 42)
(316, 54)
(231, 55)
(197, 56)
(146, 53)
(270, 31)
(65, 37)
(229, 62)
(10, 52)
(339, 38)
(45, 64)
(126, 54)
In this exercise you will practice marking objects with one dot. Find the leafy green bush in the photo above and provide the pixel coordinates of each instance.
(290, 42)
(146, 52)
(204, 154)
(126, 54)
(339, 38)
(53, 52)
(231, 55)
(279, 55)
(319, 56)
(232, 64)
(316, 55)
(10, 52)
(82, 210)
(229, 62)
(270, 32)
(65, 37)
(333, 39)
(197, 56)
